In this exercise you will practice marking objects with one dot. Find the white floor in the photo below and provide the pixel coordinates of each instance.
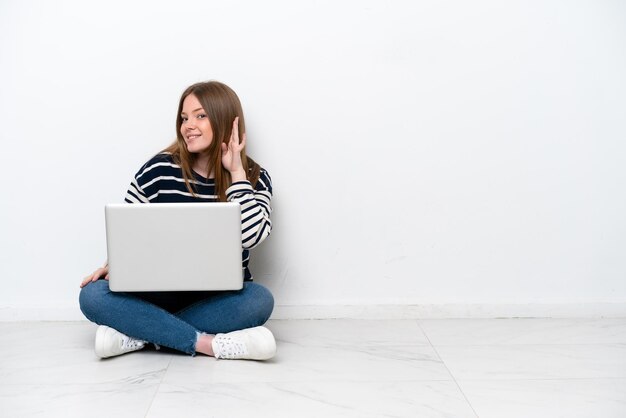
(332, 368)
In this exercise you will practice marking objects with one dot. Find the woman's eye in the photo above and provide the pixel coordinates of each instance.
(201, 116)
(184, 119)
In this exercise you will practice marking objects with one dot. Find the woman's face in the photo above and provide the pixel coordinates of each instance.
(195, 127)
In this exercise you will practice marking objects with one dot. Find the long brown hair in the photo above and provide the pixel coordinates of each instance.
(221, 105)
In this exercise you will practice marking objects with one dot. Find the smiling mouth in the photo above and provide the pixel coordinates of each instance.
(191, 137)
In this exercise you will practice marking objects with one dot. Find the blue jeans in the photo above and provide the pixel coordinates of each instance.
(175, 319)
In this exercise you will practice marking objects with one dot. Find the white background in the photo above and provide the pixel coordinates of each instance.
(423, 153)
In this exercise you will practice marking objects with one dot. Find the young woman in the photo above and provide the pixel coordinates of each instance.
(206, 163)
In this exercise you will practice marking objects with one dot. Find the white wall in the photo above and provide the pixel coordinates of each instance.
(430, 153)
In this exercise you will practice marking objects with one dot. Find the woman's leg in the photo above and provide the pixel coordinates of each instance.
(231, 323)
(223, 312)
(136, 317)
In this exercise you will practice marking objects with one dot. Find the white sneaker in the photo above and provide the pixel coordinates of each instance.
(250, 344)
(110, 342)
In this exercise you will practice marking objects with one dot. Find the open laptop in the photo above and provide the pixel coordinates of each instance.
(174, 246)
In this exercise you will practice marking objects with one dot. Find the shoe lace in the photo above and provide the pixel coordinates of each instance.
(231, 348)
(131, 344)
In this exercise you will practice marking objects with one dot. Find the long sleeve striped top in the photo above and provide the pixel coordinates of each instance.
(161, 180)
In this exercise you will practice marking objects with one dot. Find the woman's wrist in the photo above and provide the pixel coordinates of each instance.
(238, 176)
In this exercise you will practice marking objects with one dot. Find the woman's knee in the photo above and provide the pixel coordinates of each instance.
(91, 298)
(263, 301)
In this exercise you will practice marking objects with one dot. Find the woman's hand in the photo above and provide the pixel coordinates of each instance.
(102, 271)
(231, 153)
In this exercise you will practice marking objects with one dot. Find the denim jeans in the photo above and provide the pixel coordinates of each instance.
(175, 319)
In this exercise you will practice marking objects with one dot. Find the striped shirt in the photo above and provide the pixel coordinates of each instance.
(161, 180)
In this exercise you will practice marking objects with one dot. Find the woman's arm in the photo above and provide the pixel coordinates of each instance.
(255, 204)
(256, 208)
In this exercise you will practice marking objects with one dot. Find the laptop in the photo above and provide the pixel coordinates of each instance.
(174, 246)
